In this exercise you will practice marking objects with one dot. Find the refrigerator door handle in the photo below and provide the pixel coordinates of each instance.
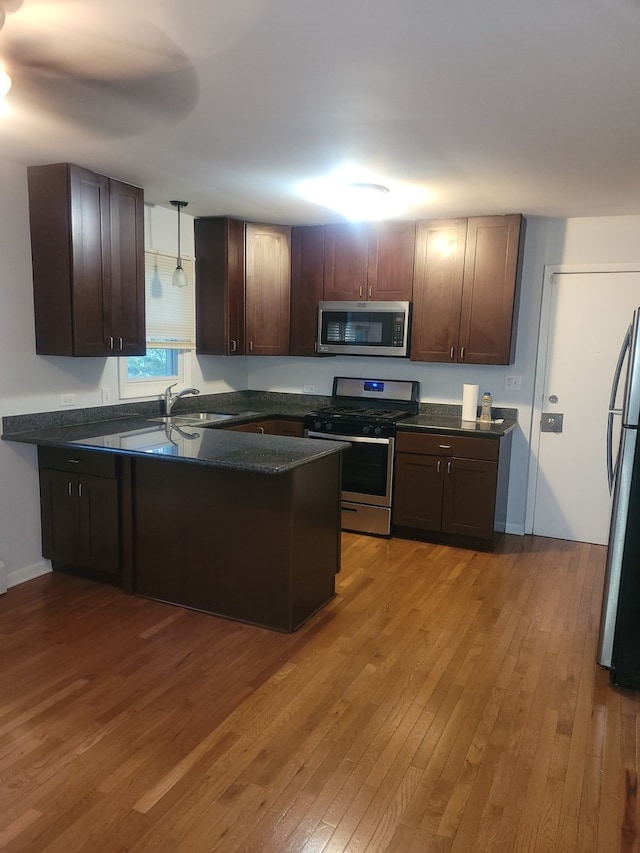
(612, 469)
(611, 466)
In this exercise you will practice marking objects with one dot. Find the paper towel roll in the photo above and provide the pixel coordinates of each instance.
(470, 402)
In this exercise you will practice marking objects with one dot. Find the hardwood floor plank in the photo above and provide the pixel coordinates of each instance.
(444, 700)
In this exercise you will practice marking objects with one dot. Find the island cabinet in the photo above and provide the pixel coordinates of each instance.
(80, 510)
(242, 287)
(466, 289)
(87, 247)
(451, 485)
(307, 286)
(363, 262)
(254, 547)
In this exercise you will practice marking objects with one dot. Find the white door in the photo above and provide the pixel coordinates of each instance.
(586, 315)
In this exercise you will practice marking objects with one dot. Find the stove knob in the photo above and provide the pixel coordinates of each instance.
(365, 430)
(377, 430)
(328, 426)
(317, 425)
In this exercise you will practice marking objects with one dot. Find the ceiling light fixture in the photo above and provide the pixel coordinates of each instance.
(5, 82)
(179, 275)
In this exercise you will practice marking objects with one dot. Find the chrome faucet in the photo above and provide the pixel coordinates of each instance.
(170, 398)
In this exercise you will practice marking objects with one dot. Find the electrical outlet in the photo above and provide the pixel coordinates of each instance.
(67, 399)
(106, 396)
(512, 382)
(308, 389)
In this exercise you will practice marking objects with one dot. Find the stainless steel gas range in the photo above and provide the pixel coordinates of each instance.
(364, 412)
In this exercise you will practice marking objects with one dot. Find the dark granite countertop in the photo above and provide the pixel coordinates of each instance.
(141, 436)
(128, 429)
(442, 418)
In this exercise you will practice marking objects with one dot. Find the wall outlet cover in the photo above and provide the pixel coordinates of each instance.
(67, 399)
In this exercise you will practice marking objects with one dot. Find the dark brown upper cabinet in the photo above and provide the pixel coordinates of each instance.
(267, 288)
(87, 247)
(466, 289)
(307, 277)
(364, 262)
(242, 287)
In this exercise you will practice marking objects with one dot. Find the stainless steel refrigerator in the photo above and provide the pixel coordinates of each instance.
(619, 643)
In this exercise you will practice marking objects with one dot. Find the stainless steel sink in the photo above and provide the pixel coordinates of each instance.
(198, 418)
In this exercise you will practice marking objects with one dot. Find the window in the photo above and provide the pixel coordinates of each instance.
(170, 330)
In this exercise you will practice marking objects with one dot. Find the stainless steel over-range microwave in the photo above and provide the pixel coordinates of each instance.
(363, 328)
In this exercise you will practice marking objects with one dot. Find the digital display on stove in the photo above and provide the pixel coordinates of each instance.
(373, 385)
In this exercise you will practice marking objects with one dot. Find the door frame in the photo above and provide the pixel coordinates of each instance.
(544, 331)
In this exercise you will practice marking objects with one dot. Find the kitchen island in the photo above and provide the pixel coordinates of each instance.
(242, 526)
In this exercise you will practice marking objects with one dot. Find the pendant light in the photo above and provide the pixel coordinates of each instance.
(179, 275)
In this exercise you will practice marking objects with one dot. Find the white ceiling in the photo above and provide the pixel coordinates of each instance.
(489, 106)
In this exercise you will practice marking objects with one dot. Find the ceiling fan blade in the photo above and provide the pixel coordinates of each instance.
(116, 72)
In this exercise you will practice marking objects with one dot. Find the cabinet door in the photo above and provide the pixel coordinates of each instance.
(267, 289)
(346, 259)
(469, 497)
(283, 426)
(490, 289)
(60, 516)
(437, 289)
(99, 525)
(91, 264)
(219, 246)
(124, 302)
(307, 284)
(417, 500)
(390, 261)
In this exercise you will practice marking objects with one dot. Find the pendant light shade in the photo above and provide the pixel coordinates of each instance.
(179, 276)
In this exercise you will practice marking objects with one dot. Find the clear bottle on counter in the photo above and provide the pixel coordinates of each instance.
(485, 407)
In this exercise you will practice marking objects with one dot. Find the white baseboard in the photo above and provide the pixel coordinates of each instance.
(28, 573)
(517, 529)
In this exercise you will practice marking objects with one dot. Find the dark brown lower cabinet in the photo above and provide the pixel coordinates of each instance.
(273, 426)
(80, 510)
(450, 485)
(254, 547)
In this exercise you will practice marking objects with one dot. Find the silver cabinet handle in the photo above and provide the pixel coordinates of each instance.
(70, 488)
(111, 342)
(448, 467)
(250, 346)
(370, 292)
(120, 344)
(438, 466)
(79, 490)
(234, 346)
(461, 353)
(261, 430)
(445, 446)
(452, 353)
(360, 291)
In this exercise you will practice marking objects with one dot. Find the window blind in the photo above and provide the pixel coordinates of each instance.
(170, 310)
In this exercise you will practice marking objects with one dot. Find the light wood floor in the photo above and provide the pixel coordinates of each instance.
(446, 700)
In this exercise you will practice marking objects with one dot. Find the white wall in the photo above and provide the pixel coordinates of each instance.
(31, 383)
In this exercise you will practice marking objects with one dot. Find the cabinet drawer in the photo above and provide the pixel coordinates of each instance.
(78, 461)
(464, 447)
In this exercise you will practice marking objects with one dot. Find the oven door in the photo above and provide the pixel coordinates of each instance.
(367, 468)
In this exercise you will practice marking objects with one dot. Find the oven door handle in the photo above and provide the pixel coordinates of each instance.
(331, 436)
